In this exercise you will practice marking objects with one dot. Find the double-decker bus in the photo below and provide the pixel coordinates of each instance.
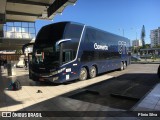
(67, 51)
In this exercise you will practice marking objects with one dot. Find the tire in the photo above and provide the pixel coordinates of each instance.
(92, 72)
(83, 74)
(122, 66)
(158, 71)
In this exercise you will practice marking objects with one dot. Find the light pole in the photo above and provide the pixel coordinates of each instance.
(137, 42)
(132, 28)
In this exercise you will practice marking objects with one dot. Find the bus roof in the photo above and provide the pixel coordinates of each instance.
(71, 22)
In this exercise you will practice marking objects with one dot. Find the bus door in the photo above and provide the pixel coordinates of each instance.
(68, 56)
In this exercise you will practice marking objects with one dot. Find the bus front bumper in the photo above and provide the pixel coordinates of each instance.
(48, 78)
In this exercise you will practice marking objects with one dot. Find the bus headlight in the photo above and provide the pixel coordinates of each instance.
(54, 73)
(58, 71)
(55, 78)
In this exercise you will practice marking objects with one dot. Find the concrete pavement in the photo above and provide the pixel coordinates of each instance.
(51, 97)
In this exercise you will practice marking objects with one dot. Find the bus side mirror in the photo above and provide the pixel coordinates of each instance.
(57, 46)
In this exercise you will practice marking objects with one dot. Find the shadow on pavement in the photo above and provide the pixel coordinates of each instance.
(109, 93)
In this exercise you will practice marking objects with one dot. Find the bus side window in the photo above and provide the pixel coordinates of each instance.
(90, 35)
(86, 37)
(67, 56)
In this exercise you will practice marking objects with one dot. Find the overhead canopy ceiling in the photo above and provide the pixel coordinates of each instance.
(31, 10)
(12, 44)
(27, 11)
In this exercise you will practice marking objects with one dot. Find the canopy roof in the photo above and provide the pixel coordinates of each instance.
(27, 11)
(31, 10)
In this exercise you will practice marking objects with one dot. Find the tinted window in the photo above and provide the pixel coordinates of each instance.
(50, 34)
(101, 37)
(69, 51)
(67, 56)
(90, 35)
(73, 31)
(89, 56)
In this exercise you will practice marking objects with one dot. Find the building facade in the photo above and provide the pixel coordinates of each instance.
(137, 43)
(155, 37)
(21, 30)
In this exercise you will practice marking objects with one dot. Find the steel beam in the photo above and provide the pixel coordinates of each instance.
(11, 20)
(57, 4)
(28, 2)
(2, 18)
(22, 13)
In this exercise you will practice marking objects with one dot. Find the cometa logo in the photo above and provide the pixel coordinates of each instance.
(100, 47)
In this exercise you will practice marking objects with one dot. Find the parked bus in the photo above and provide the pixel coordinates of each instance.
(67, 51)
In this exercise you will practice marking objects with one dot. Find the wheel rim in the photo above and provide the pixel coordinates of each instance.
(83, 74)
(93, 72)
(122, 67)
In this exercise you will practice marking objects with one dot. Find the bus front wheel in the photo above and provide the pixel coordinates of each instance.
(92, 72)
(122, 66)
(83, 74)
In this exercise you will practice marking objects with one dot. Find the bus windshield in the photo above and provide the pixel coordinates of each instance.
(44, 51)
(46, 55)
(47, 51)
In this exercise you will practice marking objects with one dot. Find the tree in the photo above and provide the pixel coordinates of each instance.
(136, 49)
(147, 46)
(143, 34)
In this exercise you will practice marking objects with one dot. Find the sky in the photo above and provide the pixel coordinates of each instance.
(115, 16)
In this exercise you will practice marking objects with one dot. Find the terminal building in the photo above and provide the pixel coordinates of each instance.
(155, 37)
(137, 43)
(17, 22)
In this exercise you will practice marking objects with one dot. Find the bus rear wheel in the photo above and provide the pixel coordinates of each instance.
(83, 74)
(92, 72)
